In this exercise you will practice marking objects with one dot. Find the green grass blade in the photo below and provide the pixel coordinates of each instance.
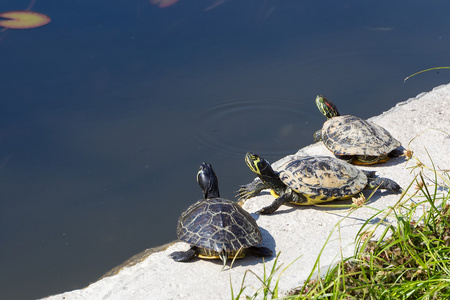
(436, 68)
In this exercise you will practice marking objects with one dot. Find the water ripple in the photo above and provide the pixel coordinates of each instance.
(270, 126)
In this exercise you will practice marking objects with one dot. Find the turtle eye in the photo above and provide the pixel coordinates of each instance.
(262, 164)
(258, 164)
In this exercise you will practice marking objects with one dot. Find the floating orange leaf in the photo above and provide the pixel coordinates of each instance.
(23, 19)
(163, 3)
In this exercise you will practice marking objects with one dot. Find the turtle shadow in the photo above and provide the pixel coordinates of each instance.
(361, 221)
(292, 207)
(250, 260)
(375, 197)
(337, 211)
(256, 215)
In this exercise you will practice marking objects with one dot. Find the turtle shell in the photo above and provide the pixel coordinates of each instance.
(350, 135)
(322, 177)
(218, 224)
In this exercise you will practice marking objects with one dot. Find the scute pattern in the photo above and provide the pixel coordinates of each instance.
(218, 225)
(323, 177)
(350, 135)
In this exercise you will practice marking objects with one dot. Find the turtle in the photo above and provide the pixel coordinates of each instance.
(216, 227)
(309, 180)
(353, 139)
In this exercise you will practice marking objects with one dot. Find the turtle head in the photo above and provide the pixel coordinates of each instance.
(259, 166)
(208, 182)
(264, 171)
(326, 107)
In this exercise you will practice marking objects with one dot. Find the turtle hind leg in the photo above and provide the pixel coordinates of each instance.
(274, 205)
(397, 152)
(183, 256)
(385, 184)
(259, 251)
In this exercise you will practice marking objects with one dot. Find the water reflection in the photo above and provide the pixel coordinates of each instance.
(163, 3)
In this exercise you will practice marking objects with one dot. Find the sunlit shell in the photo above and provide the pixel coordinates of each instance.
(163, 3)
(23, 19)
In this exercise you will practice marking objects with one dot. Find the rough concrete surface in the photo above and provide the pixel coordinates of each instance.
(298, 233)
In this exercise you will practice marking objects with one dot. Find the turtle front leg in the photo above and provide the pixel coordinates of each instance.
(184, 256)
(385, 184)
(317, 136)
(251, 189)
(275, 205)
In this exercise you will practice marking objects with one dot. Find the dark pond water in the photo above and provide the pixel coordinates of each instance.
(107, 112)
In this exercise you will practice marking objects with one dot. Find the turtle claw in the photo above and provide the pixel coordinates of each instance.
(243, 193)
(251, 189)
